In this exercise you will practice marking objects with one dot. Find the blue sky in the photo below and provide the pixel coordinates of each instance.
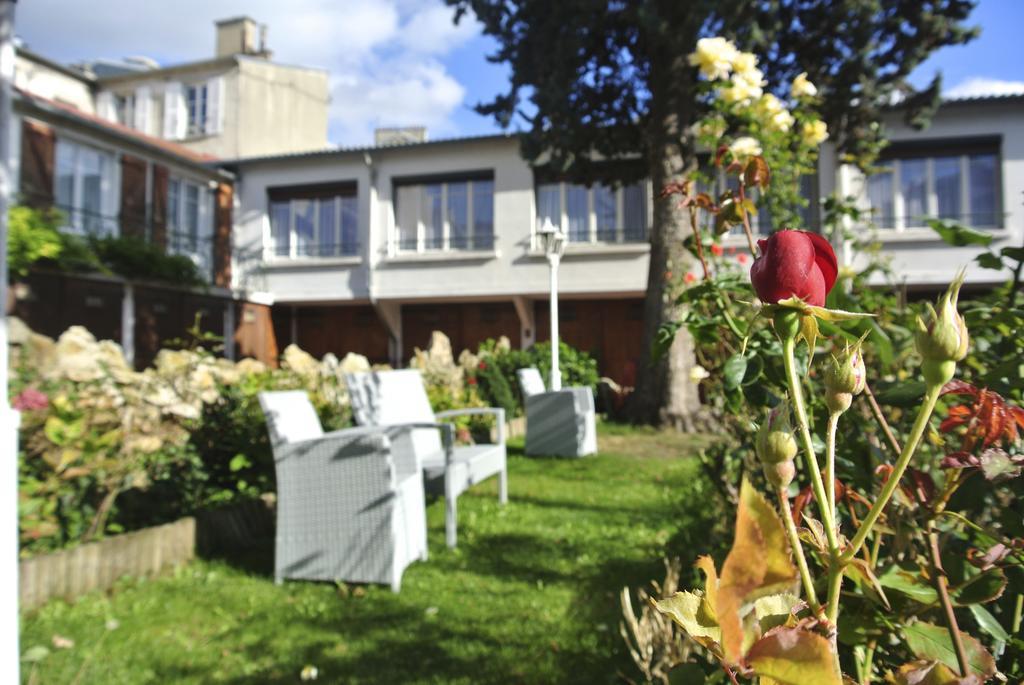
(401, 62)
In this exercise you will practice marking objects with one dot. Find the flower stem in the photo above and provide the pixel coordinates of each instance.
(797, 396)
(925, 413)
(835, 584)
(942, 586)
(798, 551)
(746, 221)
(830, 463)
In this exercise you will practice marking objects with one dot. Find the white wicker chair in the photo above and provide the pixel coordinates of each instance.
(348, 506)
(398, 399)
(558, 422)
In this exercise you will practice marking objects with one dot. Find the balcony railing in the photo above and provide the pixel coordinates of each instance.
(86, 222)
(453, 243)
(318, 250)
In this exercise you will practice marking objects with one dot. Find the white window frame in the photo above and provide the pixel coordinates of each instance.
(197, 118)
(592, 233)
(110, 186)
(202, 252)
(421, 227)
(337, 197)
(902, 223)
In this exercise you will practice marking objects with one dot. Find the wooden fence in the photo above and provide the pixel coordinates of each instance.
(98, 565)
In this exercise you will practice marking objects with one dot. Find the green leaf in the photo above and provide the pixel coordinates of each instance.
(792, 656)
(734, 369)
(691, 612)
(35, 654)
(987, 260)
(959, 236)
(989, 623)
(1014, 253)
(982, 588)
(239, 462)
(901, 394)
(910, 584)
(774, 610)
(932, 642)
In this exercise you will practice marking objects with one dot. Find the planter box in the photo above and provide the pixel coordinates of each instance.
(97, 565)
(70, 573)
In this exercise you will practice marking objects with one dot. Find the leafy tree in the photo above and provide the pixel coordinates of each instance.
(597, 81)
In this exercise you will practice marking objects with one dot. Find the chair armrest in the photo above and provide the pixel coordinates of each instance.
(447, 435)
(498, 412)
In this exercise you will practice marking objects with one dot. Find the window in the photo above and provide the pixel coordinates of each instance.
(912, 187)
(196, 104)
(124, 109)
(314, 221)
(598, 214)
(86, 188)
(188, 229)
(448, 214)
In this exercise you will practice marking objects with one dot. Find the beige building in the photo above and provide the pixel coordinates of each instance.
(237, 104)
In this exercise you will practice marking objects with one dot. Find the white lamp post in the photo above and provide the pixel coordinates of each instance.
(552, 241)
(9, 654)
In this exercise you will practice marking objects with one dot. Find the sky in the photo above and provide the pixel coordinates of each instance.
(403, 62)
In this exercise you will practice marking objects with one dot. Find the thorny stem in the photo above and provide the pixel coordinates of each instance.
(942, 586)
(830, 464)
(931, 397)
(798, 551)
(796, 394)
(880, 417)
(699, 242)
(746, 222)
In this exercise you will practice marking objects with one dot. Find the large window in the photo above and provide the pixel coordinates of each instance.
(959, 185)
(595, 214)
(86, 188)
(189, 227)
(314, 221)
(444, 214)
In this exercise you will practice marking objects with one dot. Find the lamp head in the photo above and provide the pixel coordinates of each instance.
(552, 240)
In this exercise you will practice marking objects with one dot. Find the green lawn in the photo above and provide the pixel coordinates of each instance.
(529, 596)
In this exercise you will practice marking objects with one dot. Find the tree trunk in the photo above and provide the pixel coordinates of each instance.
(664, 393)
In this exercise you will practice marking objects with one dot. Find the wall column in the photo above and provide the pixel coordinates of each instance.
(390, 314)
(527, 326)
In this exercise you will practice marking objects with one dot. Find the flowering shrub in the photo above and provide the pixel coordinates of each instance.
(189, 429)
(875, 566)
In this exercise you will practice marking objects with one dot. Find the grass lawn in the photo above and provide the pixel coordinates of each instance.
(529, 596)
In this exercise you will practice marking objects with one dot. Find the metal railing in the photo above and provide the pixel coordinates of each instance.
(348, 248)
(451, 243)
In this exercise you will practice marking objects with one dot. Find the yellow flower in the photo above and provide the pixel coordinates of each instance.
(781, 121)
(741, 91)
(815, 132)
(744, 148)
(714, 56)
(744, 64)
(802, 87)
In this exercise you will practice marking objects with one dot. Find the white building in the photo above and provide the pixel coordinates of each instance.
(369, 249)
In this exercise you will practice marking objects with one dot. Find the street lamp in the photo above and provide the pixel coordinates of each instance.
(552, 241)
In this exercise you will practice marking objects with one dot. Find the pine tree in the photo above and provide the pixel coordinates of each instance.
(598, 80)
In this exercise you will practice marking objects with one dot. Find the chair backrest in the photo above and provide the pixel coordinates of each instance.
(394, 398)
(530, 381)
(290, 416)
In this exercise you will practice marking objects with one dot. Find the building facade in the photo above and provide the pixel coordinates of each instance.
(370, 249)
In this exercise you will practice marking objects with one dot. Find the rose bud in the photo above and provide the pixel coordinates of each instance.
(941, 336)
(844, 377)
(794, 264)
(776, 446)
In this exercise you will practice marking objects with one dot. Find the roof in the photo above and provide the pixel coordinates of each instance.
(70, 113)
(360, 149)
(72, 72)
(991, 97)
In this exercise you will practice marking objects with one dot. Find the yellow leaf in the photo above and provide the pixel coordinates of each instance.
(758, 564)
(707, 565)
(792, 656)
(689, 611)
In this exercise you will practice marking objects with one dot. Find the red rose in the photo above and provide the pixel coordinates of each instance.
(690, 277)
(794, 263)
(716, 249)
(741, 258)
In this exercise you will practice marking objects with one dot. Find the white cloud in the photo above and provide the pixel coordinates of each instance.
(385, 56)
(981, 86)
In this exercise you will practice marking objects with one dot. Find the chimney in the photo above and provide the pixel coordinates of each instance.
(383, 137)
(240, 36)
